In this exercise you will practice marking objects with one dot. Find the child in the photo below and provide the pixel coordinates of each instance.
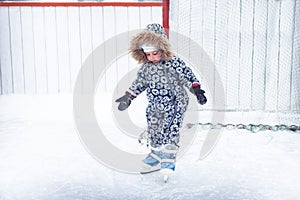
(163, 76)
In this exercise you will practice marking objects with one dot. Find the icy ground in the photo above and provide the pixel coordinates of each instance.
(42, 158)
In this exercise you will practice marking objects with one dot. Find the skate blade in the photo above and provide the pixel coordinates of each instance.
(166, 171)
(166, 178)
(146, 166)
(150, 170)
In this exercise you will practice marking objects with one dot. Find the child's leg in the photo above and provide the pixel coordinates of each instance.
(168, 158)
(153, 159)
(162, 158)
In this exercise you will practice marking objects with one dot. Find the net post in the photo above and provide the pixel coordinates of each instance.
(165, 15)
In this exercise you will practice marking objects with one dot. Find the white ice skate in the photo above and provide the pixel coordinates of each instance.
(161, 159)
(168, 160)
(152, 162)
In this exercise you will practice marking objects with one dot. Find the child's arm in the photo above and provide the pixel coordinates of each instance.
(199, 93)
(140, 83)
(125, 101)
(137, 87)
(186, 75)
(191, 81)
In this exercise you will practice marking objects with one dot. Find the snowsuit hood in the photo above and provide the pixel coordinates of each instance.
(154, 35)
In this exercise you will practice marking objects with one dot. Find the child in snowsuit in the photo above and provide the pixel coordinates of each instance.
(163, 76)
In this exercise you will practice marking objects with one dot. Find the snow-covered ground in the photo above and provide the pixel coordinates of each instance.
(42, 157)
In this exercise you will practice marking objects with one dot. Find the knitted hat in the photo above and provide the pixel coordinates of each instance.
(158, 29)
(147, 48)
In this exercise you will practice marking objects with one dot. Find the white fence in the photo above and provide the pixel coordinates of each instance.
(42, 48)
(255, 48)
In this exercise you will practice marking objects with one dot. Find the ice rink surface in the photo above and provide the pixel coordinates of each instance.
(42, 158)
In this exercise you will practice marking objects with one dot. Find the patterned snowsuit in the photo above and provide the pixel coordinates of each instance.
(164, 83)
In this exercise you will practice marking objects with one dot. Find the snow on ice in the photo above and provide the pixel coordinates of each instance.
(42, 157)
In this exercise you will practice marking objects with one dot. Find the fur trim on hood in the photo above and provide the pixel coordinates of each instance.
(154, 35)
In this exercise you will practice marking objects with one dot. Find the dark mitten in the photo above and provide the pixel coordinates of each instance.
(199, 94)
(125, 101)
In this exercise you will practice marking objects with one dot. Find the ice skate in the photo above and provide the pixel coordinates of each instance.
(160, 159)
(168, 160)
(167, 170)
(152, 162)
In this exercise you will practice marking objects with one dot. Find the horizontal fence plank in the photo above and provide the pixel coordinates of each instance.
(82, 4)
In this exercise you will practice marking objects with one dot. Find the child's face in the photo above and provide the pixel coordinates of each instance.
(153, 56)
